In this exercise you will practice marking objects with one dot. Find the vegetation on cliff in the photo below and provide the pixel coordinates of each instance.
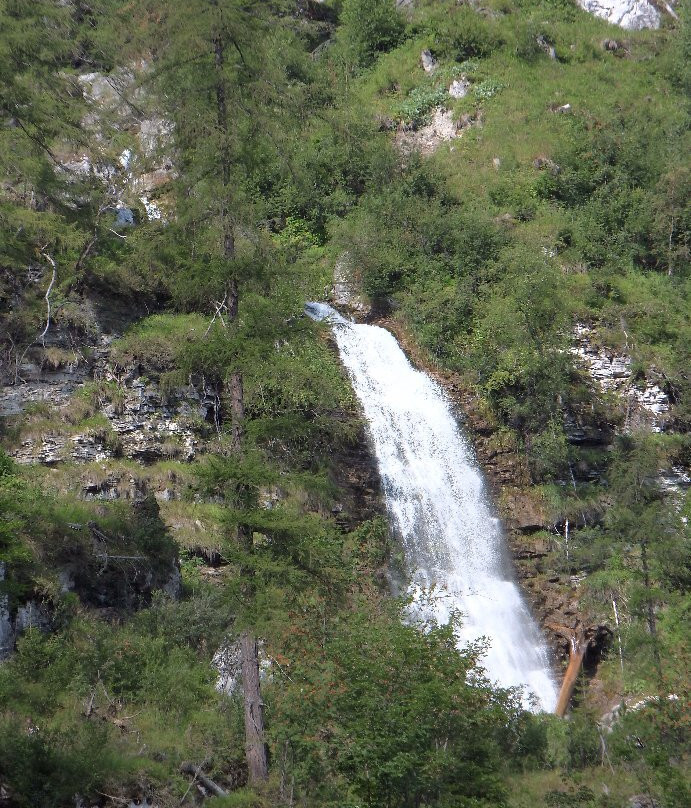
(560, 199)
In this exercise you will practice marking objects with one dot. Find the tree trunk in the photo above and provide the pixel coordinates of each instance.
(577, 652)
(650, 612)
(255, 747)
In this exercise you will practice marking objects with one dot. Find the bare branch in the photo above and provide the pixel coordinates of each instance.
(42, 336)
(207, 782)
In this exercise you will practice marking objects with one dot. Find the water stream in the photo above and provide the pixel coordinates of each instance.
(436, 499)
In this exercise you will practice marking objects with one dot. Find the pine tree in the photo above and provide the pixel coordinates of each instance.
(223, 84)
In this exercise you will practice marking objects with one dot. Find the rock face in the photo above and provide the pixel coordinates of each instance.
(6, 631)
(643, 801)
(346, 294)
(140, 172)
(28, 615)
(142, 424)
(646, 403)
(440, 129)
(631, 14)
(428, 62)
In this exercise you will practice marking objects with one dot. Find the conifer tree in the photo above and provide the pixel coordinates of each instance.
(222, 83)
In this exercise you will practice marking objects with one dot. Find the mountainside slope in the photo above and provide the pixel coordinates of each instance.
(185, 474)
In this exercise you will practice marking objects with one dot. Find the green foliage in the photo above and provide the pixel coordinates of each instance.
(484, 90)
(459, 33)
(40, 534)
(46, 769)
(489, 262)
(419, 102)
(549, 453)
(384, 716)
(242, 798)
(88, 682)
(157, 341)
(368, 28)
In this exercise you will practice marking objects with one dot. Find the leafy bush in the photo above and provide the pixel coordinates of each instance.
(45, 769)
(419, 102)
(484, 90)
(156, 341)
(460, 33)
(387, 716)
(368, 27)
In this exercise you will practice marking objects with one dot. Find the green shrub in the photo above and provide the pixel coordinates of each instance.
(156, 341)
(46, 768)
(368, 27)
(484, 90)
(463, 34)
(416, 106)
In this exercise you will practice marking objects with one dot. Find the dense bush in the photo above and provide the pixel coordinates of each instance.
(368, 27)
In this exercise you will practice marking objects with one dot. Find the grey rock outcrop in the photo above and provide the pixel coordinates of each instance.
(28, 615)
(428, 62)
(643, 801)
(632, 14)
(228, 663)
(459, 87)
(441, 128)
(346, 294)
(6, 630)
(646, 403)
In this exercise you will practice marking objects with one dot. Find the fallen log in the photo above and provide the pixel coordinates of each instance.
(577, 651)
(207, 782)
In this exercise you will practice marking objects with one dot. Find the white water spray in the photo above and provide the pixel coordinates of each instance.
(436, 499)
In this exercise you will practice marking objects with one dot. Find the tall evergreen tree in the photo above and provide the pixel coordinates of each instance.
(223, 85)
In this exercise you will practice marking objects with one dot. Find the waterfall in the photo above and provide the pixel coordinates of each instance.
(436, 500)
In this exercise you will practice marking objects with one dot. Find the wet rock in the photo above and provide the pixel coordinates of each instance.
(346, 294)
(532, 548)
(527, 513)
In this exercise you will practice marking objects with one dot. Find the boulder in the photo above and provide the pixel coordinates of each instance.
(643, 801)
(459, 88)
(429, 63)
(544, 163)
(546, 46)
(631, 14)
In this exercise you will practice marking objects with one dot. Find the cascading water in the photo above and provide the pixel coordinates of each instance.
(436, 500)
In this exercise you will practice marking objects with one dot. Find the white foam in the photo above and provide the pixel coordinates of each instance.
(436, 499)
